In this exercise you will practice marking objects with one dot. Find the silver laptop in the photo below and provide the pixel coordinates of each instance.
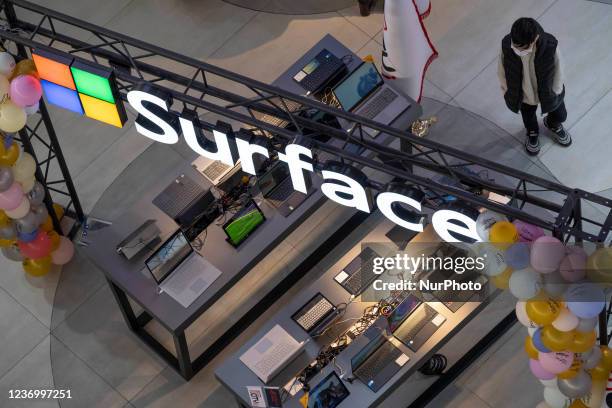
(179, 271)
(272, 353)
(215, 171)
(365, 93)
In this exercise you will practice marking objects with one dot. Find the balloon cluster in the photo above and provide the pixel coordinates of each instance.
(26, 229)
(559, 301)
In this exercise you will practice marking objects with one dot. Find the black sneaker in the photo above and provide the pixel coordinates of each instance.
(532, 143)
(560, 135)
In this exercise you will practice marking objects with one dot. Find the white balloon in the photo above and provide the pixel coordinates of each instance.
(566, 321)
(555, 398)
(554, 284)
(531, 331)
(485, 221)
(591, 359)
(494, 259)
(550, 383)
(525, 284)
(521, 315)
(7, 63)
(543, 404)
(32, 109)
(586, 325)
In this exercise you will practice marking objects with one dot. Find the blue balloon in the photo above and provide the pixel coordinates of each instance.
(586, 300)
(29, 237)
(517, 256)
(537, 342)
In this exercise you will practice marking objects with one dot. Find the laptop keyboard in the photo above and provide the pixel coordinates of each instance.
(373, 107)
(215, 170)
(409, 333)
(274, 357)
(282, 192)
(380, 359)
(309, 319)
(357, 282)
(177, 196)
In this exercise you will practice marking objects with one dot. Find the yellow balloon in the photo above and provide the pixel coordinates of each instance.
(578, 404)
(599, 266)
(583, 341)
(24, 168)
(606, 357)
(5, 243)
(543, 312)
(9, 156)
(47, 226)
(530, 349)
(37, 267)
(502, 280)
(572, 371)
(4, 219)
(24, 67)
(600, 372)
(55, 240)
(12, 117)
(59, 210)
(503, 234)
(4, 87)
(556, 340)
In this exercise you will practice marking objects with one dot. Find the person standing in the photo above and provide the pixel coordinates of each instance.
(530, 74)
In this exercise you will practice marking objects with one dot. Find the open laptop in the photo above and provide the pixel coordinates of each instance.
(365, 93)
(377, 362)
(359, 273)
(414, 323)
(272, 353)
(179, 271)
(277, 188)
(215, 171)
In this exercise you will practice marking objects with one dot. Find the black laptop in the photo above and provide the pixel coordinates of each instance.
(359, 273)
(277, 188)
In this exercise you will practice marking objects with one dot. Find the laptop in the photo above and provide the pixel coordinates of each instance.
(365, 93)
(322, 70)
(377, 362)
(179, 271)
(316, 315)
(215, 171)
(277, 188)
(271, 354)
(243, 223)
(359, 273)
(418, 325)
(328, 393)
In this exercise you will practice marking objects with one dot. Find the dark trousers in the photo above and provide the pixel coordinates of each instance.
(530, 119)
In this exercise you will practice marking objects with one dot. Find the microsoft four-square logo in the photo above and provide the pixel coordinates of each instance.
(80, 87)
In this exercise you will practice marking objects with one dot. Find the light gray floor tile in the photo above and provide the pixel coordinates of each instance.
(583, 31)
(97, 334)
(88, 389)
(469, 42)
(371, 24)
(79, 280)
(504, 380)
(36, 294)
(591, 135)
(21, 332)
(457, 397)
(33, 372)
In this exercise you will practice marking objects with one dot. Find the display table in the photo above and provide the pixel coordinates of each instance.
(236, 376)
(129, 280)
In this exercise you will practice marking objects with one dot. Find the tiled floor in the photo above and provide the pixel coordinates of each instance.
(65, 330)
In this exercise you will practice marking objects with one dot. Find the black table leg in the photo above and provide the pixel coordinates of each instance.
(182, 355)
(124, 306)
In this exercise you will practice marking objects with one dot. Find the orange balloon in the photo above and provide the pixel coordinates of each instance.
(5, 243)
(606, 357)
(55, 240)
(583, 342)
(9, 156)
(503, 234)
(59, 210)
(502, 280)
(543, 312)
(572, 371)
(530, 349)
(24, 67)
(37, 267)
(556, 340)
(578, 404)
(47, 225)
(599, 372)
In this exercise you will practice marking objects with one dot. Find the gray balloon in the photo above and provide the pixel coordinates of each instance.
(27, 224)
(591, 359)
(576, 387)
(8, 232)
(586, 325)
(13, 253)
(41, 214)
(6, 178)
(37, 194)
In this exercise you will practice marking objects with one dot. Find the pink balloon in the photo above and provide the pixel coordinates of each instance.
(25, 90)
(547, 254)
(573, 266)
(540, 373)
(556, 362)
(64, 253)
(11, 198)
(38, 248)
(528, 232)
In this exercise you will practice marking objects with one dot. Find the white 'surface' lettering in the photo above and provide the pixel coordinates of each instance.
(350, 187)
(168, 135)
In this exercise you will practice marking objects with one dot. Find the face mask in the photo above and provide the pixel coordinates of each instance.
(522, 53)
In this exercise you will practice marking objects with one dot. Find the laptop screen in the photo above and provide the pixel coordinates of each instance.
(329, 393)
(402, 311)
(168, 256)
(272, 178)
(376, 339)
(358, 85)
(243, 223)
